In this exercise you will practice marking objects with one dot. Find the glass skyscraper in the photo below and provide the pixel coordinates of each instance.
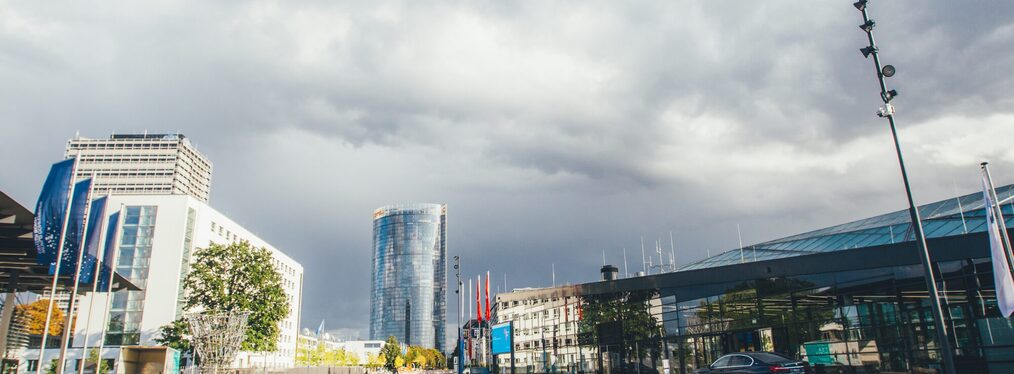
(408, 299)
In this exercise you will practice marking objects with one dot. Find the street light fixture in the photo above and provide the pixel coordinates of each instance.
(867, 51)
(887, 111)
(868, 25)
(888, 71)
(461, 310)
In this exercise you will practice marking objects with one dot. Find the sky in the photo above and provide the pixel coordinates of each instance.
(554, 131)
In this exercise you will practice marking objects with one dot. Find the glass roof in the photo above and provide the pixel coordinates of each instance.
(954, 216)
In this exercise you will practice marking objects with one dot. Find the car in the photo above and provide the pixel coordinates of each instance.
(756, 362)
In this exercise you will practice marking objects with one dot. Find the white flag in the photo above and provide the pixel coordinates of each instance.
(1001, 271)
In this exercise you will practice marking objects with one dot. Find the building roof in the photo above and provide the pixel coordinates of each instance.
(954, 216)
(18, 267)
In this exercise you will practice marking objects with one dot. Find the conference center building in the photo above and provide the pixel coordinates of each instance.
(847, 299)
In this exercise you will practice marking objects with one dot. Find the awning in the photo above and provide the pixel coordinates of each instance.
(18, 268)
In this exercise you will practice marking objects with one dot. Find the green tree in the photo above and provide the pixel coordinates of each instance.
(352, 359)
(93, 358)
(374, 361)
(174, 335)
(237, 277)
(392, 353)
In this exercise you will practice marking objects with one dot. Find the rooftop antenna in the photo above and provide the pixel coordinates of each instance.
(644, 264)
(554, 273)
(742, 258)
(625, 273)
(603, 258)
(709, 253)
(504, 282)
(661, 262)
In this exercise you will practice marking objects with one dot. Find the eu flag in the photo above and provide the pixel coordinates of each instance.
(93, 236)
(75, 228)
(109, 251)
(50, 209)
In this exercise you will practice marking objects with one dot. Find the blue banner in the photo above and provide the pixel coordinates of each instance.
(49, 211)
(108, 252)
(501, 338)
(96, 214)
(75, 228)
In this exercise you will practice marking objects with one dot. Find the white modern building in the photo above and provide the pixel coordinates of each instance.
(157, 164)
(157, 236)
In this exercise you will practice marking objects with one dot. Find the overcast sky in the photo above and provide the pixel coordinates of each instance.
(554, 131)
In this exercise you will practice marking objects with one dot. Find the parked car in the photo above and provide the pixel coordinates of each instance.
(756, 362)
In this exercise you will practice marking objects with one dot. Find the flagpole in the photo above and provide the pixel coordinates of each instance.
(77, 279)
(112, 276)
(672, 256)
(742, 258)
(999, 214)
(91, 300)
(56, 272)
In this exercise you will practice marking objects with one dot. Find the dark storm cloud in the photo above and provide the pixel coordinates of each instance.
(555, 131)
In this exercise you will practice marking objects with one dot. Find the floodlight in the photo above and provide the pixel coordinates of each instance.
(861, 4)
(887, 96)
(867, 50)
(888, 71)
(868, 25)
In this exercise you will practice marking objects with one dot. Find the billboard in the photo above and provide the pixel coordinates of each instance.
(501, 338)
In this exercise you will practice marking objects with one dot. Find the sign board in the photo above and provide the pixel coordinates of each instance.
(501, 338)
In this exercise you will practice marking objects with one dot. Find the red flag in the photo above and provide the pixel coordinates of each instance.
(478, 304)
(487, 297)
(579, 310)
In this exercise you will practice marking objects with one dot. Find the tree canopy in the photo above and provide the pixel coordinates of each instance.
(33, 317)
(235, 277)
(392, 353)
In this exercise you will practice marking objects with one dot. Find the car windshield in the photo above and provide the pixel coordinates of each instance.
(771, 358)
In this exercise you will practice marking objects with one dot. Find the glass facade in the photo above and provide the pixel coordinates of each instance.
(132, 262)
(860, 310)
(955, 216)
(408, 297)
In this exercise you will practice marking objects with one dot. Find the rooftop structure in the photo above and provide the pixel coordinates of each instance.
(158, 164)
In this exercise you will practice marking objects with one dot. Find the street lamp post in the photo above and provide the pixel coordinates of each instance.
(887, 111)
(460, 343)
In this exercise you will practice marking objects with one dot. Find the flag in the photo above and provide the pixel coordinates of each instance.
(487, 297)
(50, 209)
(1001, 270)
(320, 328)
(478, 305)
(75, 228)
(94, 239)
(109, 255)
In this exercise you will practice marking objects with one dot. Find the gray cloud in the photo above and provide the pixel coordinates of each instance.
(554, 131)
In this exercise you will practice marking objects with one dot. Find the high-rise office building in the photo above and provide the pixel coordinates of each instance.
(157, 164)
(408, 298)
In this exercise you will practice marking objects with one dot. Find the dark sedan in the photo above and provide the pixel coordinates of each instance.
(756, 362)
